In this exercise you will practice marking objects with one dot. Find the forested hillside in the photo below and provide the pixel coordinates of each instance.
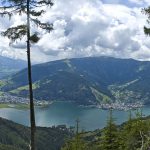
(17, 137)
(93, 80)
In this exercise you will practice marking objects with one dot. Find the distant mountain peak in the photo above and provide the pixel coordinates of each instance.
(9, 66)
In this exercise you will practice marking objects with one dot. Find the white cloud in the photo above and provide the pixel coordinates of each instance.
(140, 2)
(85, 28)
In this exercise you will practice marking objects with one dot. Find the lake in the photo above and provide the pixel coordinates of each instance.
(66, 113)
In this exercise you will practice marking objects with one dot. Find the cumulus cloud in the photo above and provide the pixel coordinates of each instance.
(140, 2)
(85, 28)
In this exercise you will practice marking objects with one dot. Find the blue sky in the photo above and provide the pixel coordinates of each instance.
(129, 3)
(84, 28)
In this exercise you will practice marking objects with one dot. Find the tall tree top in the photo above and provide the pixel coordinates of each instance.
(13, 7)
(146, 11)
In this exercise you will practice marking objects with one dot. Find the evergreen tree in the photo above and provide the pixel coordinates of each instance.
(77, 143)
(124, 136)
(72, 144)
(28, 7)
(135, 134)
(146, 11)
(109, 140)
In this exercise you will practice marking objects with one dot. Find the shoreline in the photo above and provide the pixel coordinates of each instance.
(116, 106)
(9, 101)
(44, 104)
(22, 106)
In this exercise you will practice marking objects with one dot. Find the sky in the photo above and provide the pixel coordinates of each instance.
(85, 28)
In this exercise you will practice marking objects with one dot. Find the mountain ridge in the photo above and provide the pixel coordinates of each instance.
(10, 66)
(90, 80)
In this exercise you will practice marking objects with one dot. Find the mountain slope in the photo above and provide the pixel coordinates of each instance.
(9, 66)
(16, 137)
(90, 80)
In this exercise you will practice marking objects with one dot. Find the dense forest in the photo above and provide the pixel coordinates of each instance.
(17, 137)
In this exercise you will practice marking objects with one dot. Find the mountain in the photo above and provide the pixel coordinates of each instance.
(92, 80)
(9, 66)
(14, 136)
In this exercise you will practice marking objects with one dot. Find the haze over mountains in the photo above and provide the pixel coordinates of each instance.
(93, 80)
(9, 66)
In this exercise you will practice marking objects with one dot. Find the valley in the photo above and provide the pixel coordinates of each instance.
(74, 75)
(93, 81)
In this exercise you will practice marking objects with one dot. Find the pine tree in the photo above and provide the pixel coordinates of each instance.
(109, 140)
(146, 11)
(76, 143)
(124, 137)
(135, 134)
(28, 7)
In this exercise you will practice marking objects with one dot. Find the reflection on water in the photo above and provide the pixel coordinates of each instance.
(66, 113)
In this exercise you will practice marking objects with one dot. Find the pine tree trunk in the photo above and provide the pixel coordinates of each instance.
(32, 115)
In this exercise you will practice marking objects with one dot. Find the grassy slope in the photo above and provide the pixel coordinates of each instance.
(17, 106)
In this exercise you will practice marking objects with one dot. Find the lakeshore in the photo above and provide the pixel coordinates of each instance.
(9, 101)
(66, 113)
(121, 106)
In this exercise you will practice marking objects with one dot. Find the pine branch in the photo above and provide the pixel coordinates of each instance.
(10, 6)
(147, 31)
(46, 26)
(46, 2)
(34, 38)
(12, 1)
(9, 14)
(37, 13)
(19, 7)
(41, 4)
(13, 9)
(146, 11)
(15, 33)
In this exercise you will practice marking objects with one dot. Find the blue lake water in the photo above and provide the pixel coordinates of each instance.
(66, 113)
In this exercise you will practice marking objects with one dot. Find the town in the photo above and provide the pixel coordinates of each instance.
(9, 99)
(121, 106)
